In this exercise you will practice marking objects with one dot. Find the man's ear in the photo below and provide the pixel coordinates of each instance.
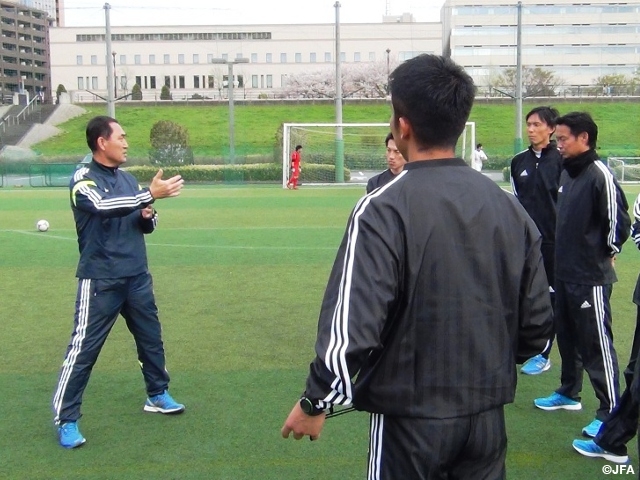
(584, 138)
(404, 127)
(101, 143)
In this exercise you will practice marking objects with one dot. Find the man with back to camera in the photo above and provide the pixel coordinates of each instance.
(535, 179)
(437, 290)
(395, 161)
(592, 225)
(112, 214)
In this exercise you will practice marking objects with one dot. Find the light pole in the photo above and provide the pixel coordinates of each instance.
(230, 64)
(115, 77)
(388, 50)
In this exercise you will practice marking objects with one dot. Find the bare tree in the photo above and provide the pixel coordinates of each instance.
(536, 82)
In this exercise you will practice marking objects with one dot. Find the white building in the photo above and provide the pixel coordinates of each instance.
(579, 42)
(54, 9)
(182, 56)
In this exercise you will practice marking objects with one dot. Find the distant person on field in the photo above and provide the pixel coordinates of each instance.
(437, 290)
(112, 214)
(535, 179)
(622, 425)
(395, 161)
(295, 169)
(478, 157)
(593, 224)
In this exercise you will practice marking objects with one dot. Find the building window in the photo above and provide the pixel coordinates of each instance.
(372, 56)
(283, 58)
(123, 59)
(327, 56)
(80, 83)
(123, 82)
(269, 81)
(298, 58)
(268, 58)
(137, 60)
(181, 81)
(312, 57)
(254, 58)
(152, 81)
(181, 58)
(225, 56)
(79, 60)
(283, 80)
(139, 81)
(343, 57)
(196, 58)
(152, 59)
(167, 58)
(356, 56)
(211, 81)
(209, 57)
(254, 81)
(167, 81)
(94, 83)
(196, 81)
(94, 59)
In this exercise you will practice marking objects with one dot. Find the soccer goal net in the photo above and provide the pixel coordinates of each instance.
(345, 153)
(626, 169)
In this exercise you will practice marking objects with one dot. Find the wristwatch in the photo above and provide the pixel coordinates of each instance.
(308, 406)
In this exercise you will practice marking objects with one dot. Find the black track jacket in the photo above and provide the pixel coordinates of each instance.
(437, 290)
(106, 204)
(593, 221)
(535, 181)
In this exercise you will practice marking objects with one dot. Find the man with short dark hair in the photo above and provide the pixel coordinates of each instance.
(593, 224)
(112, 214)
(437, 290)
(535, 179)
(395, 161)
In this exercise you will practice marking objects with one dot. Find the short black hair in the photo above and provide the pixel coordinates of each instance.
(435, 95)
(548, 115)
(298, 147)
(580, 122)
(478, 145)
(387, 138)
(98, 127)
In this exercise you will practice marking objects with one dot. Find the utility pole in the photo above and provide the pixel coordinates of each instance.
(517, 145)
(111, 101)
(339, 138)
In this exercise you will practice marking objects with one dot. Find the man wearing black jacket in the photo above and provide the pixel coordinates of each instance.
(438, 289)
(593, 223)
(535, 179)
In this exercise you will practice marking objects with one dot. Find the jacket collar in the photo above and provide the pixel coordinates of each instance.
(577, 164)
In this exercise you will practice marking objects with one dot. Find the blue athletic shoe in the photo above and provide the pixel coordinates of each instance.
(536, 365)
(588, 448)
(555, 401)
(592, 429)
(69, 435)
(163, 403)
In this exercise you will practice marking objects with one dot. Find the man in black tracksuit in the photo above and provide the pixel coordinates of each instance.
(395, 161)
(593, 223)
(112, 214)
(622, 425)
(535, 179)
(438, 289)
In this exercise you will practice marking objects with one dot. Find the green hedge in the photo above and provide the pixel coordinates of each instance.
(259, 172)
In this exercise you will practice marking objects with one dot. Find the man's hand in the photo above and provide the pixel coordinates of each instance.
(147, 212)
(302, 424)
(160, 188)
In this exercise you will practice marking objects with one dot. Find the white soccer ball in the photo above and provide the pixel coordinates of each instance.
(42, 225)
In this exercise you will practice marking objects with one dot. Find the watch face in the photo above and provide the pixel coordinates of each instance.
(306, 405)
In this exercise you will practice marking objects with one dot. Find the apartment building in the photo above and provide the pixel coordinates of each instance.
(25, 61)
(578, 42)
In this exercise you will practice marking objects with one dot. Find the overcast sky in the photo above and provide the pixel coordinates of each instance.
(216, 12)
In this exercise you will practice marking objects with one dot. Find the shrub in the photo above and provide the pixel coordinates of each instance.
(169, 144)
(136, 92)
(165, 93)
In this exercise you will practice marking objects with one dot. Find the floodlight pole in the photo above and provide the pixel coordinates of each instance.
(230, 64)
(111, 101)
(339, 139)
